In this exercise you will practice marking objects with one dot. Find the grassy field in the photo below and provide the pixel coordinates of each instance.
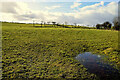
(30, 52)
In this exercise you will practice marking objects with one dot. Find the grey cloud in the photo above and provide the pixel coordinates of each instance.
(29, 16)
(69, 19)
(9, 7)
(25, 16)
(20, 18)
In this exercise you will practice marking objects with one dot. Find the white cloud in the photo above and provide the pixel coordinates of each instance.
(14, 7)
(95, 6)
(18, 0)
(78, 0)
(94, 14)
(14, 11)
(102, 3)
(75, 5)
(52, 7)
(90, 15)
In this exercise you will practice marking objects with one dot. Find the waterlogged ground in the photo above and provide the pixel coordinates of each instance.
(99, 65)
(29, 52)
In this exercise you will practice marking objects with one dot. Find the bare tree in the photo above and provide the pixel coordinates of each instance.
(116, 23)
(44, 24)
(75, 24)
(54, 23)
(33, 23)
(41, 23)
(65, 23)
(48, 23)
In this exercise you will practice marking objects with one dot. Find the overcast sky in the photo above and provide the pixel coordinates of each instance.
(89, 13)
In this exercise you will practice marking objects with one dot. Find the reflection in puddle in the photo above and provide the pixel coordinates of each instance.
(97, 65)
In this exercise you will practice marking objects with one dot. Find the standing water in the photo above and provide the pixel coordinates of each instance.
(97, 65)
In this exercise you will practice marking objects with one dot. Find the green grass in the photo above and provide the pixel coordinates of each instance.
(49, 52)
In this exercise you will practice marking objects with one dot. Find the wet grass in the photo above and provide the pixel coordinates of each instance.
(29, 52)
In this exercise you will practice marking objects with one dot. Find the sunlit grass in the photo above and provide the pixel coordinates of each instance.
(49, 52)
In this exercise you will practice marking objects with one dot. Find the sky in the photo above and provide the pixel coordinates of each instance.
(83, 12)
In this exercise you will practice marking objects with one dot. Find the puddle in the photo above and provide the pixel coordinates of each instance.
(98, 65)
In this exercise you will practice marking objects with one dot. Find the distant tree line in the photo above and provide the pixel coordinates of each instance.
(116, 22)
(105, 25)
(108, 25)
